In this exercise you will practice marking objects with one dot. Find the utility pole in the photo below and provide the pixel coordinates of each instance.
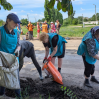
(28, 17)
(83, 20)
(95, 14)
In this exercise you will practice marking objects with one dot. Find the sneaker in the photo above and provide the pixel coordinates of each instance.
(41, 78)
(86, 83)
(93, 79)
(46, 76)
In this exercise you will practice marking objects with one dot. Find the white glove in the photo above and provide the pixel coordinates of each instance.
(17, 52)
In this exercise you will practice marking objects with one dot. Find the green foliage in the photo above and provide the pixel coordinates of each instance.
(6, 5)
(93, 18)
(68, 92)
(52, 14)
(65, 22)
(59, 7)
(85, 19)
(65, 5)
(51, 4)
(75, 21)
(24, 21)
(47, 12)
(1, 22)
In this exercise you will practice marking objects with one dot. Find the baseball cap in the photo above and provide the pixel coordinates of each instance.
(13, 17)
(51, 22)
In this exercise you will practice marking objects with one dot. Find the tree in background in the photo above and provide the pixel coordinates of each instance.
(2, 22)
(80, 20)
(65, 5)
(58, 16)
(6, 5)
(85, 19)
(52, 14)
(24, 21)
(47, 12)
(97, 16)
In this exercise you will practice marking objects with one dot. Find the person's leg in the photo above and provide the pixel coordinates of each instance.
(87, 72)
(33, 57)
(21, 60)
(60, 58)
(18, 91)
(53, 60)
(2, 90)
(93, 79)
(29, 35)
(59, 64)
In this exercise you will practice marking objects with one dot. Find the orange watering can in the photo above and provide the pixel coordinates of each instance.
(48, 66)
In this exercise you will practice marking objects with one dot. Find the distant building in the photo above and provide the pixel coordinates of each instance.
(92, 22)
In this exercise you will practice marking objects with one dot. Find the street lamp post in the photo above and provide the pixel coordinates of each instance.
(95, 14)
(28, 17)
(83, 20)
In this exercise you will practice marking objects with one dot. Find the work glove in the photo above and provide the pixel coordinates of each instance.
(45, 59)
(49, 58)
(17, 52)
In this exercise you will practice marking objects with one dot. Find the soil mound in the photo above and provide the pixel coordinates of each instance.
(51, 90)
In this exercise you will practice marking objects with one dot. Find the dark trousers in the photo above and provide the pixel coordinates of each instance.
(30, 35)
(89, 68)
(30, 54)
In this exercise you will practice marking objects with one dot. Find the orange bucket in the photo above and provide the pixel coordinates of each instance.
(53, 71)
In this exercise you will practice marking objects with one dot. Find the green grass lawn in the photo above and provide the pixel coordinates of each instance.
(69, 31)
(65, 31)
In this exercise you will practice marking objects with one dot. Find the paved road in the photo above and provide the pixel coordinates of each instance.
(72, 68)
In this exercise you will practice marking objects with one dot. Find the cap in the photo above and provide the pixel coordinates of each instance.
(51, 22)
(13, 17)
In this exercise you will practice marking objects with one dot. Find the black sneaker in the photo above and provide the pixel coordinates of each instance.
(93, 79)
(86, 83)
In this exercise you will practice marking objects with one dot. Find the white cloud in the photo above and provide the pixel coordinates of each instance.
(82, 9)
(31, 11)
(27, 3)
(33, 17)
(22, 11)
(11, 12)
(23, 16)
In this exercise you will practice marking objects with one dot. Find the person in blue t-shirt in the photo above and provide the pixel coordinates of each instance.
(89, 48)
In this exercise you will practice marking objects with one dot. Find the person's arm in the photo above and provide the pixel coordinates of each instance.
(54, 44)
(91, 45)
(96, 57)
(18, 44)
(46, 51)
(54, 51)
(27, 26)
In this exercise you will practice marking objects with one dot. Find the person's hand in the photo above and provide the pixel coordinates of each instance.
(45, 59)
(17, 52)
(49, 58)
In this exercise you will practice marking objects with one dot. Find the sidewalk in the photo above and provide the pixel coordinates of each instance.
(72, 67)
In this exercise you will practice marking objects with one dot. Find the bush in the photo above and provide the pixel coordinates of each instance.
(65, 23)
(75, 21)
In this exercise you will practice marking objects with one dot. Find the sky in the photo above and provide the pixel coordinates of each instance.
(34, 9)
